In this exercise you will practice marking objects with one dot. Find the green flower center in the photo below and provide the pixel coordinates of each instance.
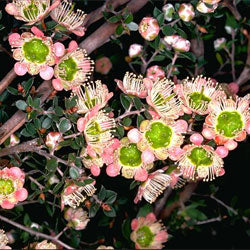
(130, 156)
(229, 123)
(35, 51)
(90, 102)
(6, 186)
(198, 99)
(31, 11)
(94, 129)
(200, 157)
(144, 236)
(160, 100)
(159, 135)
(68, 69)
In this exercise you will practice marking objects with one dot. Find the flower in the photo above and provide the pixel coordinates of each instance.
(13, 140)
(132, 85)
(228, 120)
(104, 247)
(176, 176)
(168, 10)
(34, 53)
(160, 137)
(128, 158)
(154, 186)
(197, 93)
(11, 187)
(162, 98)
(186, 12)
(220, 43)
(155, 72)
(95, 96)
(73, 195)
(97, 128)
(149, 28)
(73, 69)
(52, 140)
(211, 1)
(203, 8)
(66, 17)
(178, 43)
(45, 245)
(200, 162)
(103, 65)
(148, 233)
(135, 50)
(30, 11)
(3, 240)
(77, 218)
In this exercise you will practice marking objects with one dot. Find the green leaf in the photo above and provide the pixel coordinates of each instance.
(133, 26)
(140, 118)
(138, 103)
(93, 209)
(188, 55)
(129, 18)
(51, 165)
(120, 131)
(147, 115)
(125, 101)
(168, 30)
(47, 122)
(20, 104)
(27, 85)
(159, 58)
(219, 58)
(70, 103)
(126, 121)
(156, 12)
(102, 194)
(36, 102)
(160, 19)
(57, 187)
(134, 184)
(119, 30)
(64, 125)
(59, 111)
(126, 229)
(146, 209)
(181, 33)
(74, 173)
(111, 213)
(114, 19)
(12, 90)
(110, 197)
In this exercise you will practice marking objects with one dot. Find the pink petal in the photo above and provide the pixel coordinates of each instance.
(54, 5)
(72, 46)
(134, 224)
(147, 157)
(16, 172)
(148, 83)
(196, 138)
(162, 236)
(112, 170)
(59, 49)
(134, 135)
(91, 151)
(181, 126)
(7, 205)
(231, 144)
(21, 194)
(57, 85)
(20, 68)
(79, 31)
(95, 170)
(15, 40)
(151, 217)
(116, 144)
(141, 174)
(47, 73)
(222, 151)
(11, 9)
(37, 32)
(81, 124)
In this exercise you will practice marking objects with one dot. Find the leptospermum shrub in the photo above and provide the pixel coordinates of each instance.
(111, 157)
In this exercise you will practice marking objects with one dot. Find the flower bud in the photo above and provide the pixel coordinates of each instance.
(234, 87)
(186, 12)
(149, 28)
(196, 138)
(220, 43)
(45, 245)
(203, 8)
(178, 43)
(134, 135)
(229, 29)
(168, 10)
(135, 50)
(211, 1)
(52, 140)
(103, 65)
(155, 72)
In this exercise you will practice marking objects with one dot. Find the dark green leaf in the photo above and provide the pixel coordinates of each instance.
(51, 165)
(146, 209)
(74, 173)
(12, 90)
(110, 213)
(64, 125)
(20, 104)
(129, 18)
(168, 30)
(138, 103)
(126, 121)
(140, 118)
(126, 229)
(102, 194)
(125, 101)
(47, 122)
(114, 19)
(119, 30)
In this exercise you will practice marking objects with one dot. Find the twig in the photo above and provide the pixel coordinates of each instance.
(136, 112)
(173, 63)
(159, 205)
(72, 136)
(232, 55)
(37, 234)
(232, 8)
(146, 63)
(60, 234)
(208, 221)
(7, 80)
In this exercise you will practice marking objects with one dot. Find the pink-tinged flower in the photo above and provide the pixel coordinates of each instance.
(134, 135)
(73, 195)
(163, 99)
(3, 240)
(11, 187)
(12, 141)
(149, 28)
(211, 1)
(73, 69)
(132, 85)
(197, 93)
(128, 158)
(34, 53)
(155, 72)
(168, 10)
(66, 17)
(77, 218)
(104, 247)
(103, 65)
(196, 139)
(203, 8)
(154, 186)
(228, 120)
(186, 12)
(135, 50)
(148, 233)
(30, 11)
(45, 245)
(220, 43)
(200, 162)
(178, 43)
(176, 176)
(159, 137)
(52, 140)
(92, 96)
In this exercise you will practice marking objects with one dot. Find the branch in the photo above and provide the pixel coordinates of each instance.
(6, 81)
(127, 113)
(159, 205)
(232, 8)
(37, 234)
(208, 221)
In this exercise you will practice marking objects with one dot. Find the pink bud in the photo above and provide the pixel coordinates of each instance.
(112, 170)
(59, 49)
(234, 87)
(248, 127)
(57, 85)
(81, 124)
(11, 9)
(181, 126)
(47, 73)
(147, 157)
(207, 133)
(95, 170)
(155, 72)
(20, 68)
(149, 28)
(21, 194)
(72, 46)
(134, 135)
(178, 43)
(16, 172)
(111, 114)
(15, 40)
(141, 174)
(196, 138)
(7, 205)
(148, 83)
(103, 65)
(135, 50)
(37, 32)
(222, 151)
(134, 224)
(231, 144)
(186, 12)
(175, 153)
(221, 172)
